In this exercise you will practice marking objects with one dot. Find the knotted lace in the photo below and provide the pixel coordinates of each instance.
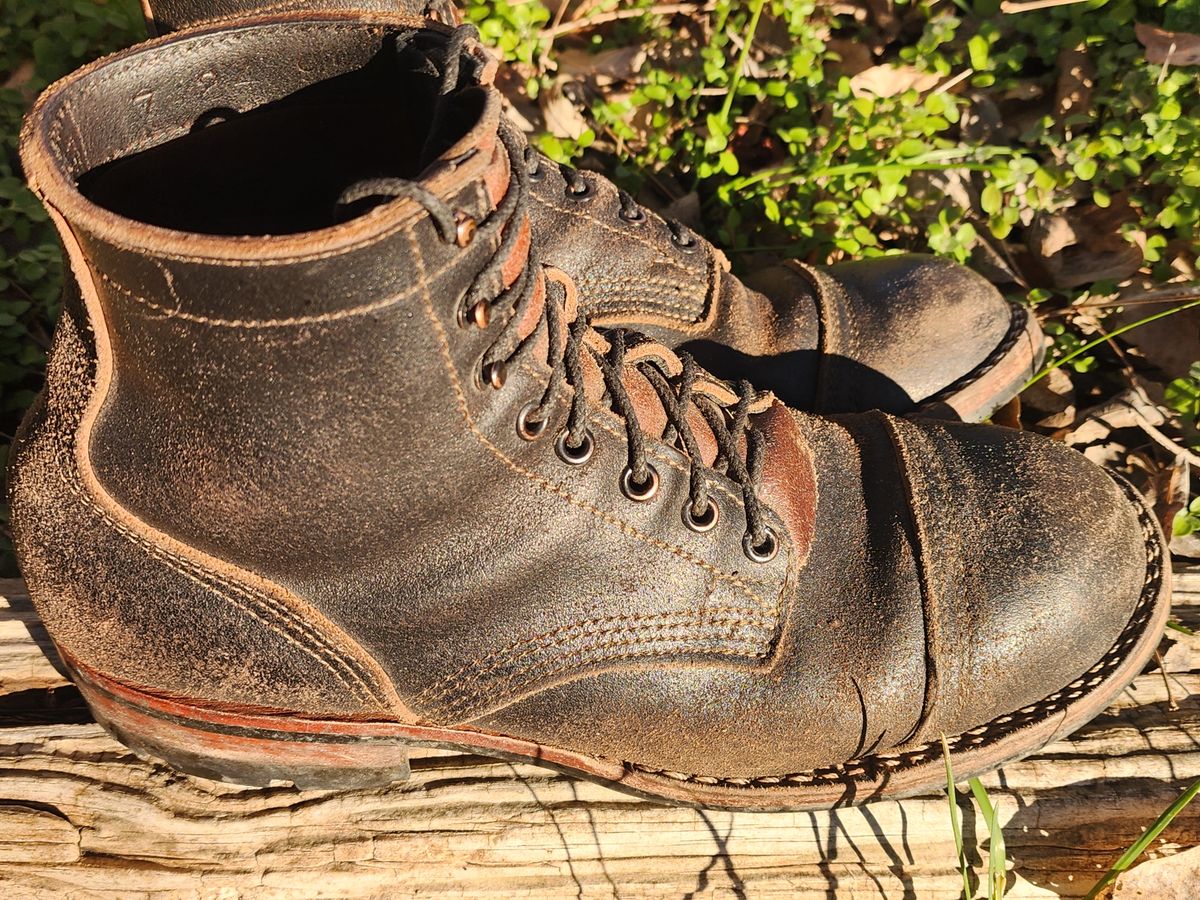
(570, 341)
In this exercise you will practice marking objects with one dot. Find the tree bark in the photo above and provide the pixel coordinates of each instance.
(81, 816)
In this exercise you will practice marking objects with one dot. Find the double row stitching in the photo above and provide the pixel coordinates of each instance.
(558, 489)
(625, 233)
(608, 651)
(997, 729)
(471, 673)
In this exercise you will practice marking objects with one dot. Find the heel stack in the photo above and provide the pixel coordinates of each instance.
(249, 749)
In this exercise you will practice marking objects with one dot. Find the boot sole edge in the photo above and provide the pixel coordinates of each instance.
(999, 378)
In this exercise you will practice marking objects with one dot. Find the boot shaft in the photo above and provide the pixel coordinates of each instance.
(317, 415)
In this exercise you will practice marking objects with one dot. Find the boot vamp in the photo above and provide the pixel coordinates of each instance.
(845, 671)
(1011, 574)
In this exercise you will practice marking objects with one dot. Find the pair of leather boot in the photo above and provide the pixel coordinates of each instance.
(332, 460)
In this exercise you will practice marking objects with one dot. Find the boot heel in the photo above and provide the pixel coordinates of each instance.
(252, 750)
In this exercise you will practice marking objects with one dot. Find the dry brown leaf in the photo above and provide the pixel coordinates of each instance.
(562, 118)
(853, 56)
(1172, 344)
(1175, 47)
(685, 209)
(604, 68)
(888, 81)
(1087, 244)
(1053, 399)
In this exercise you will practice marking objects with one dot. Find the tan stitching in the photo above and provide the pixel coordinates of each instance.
(616, 650)
(325, 654)
(470, 673)
(625, 234)
(558, 489)
(618, 312)
(320, 318)
(65, 469)
(996, 729)
(555, 487)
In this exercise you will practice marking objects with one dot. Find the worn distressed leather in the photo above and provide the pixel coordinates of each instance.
(889, 334)
(268, 470)
(895, 334)
(164, 16)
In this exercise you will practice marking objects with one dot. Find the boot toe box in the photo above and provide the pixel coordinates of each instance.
(1035, 562)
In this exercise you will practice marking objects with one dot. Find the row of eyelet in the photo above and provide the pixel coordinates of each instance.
(532, 429)
(687, 245)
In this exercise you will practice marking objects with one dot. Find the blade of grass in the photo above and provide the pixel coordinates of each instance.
(955, 827)
(1138, 847)
(1180, 627)
(997, 874)
(1091, 345)
(736, 79)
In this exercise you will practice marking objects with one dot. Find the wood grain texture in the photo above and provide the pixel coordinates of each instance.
(81, 816)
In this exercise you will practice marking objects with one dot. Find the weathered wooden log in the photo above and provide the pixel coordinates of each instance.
(82, 816)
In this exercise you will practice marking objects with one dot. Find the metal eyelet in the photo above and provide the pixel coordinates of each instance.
(706, 521)
(575, 456)
(640, 493)
(530, 429)
(464, 231)
(479, 315)
(763, 553)
(537, 173)
(494, 374)
(686, 243)
(580, 196)
(633, 216)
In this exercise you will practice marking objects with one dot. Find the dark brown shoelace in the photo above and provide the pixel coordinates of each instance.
(739, 444)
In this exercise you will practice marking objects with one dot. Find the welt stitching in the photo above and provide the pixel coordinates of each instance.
(550, 486)
(583, 629)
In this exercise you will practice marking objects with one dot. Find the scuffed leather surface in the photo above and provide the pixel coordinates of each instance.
(170, 15)
(1033, 559)
(316, 418)
(876, 334)
(133, 609)
(914, 322)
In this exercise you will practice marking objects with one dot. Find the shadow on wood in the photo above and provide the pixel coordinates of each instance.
(82, 815)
